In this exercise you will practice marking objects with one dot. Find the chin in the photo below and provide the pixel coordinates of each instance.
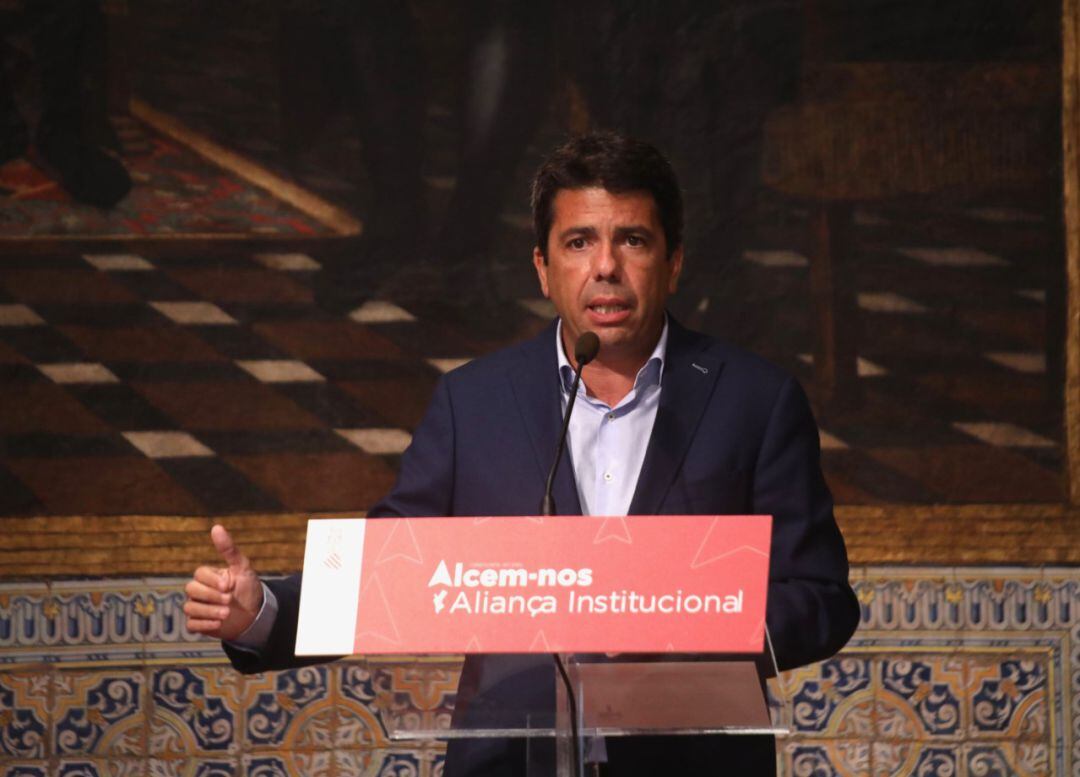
(610, 338)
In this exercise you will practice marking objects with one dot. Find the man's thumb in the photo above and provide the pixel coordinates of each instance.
(225, 546)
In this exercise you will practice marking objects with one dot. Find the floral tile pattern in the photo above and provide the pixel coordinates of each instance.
(24, 714)
(834, 698)
(422, 696)
(291, 710)
(1007, 698)
(194, 710)
(1006, 760)
(100, 767)
(827, 758)
(919, 697)
(362, 694)
(355, 762)
(399, 763)
(964, 673)
(99, 713)
(897, 759)
(286, 764)
(29, 769)
(192, 767)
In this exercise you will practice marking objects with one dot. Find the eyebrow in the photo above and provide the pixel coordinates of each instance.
(581, 231)
(631, 229)
(586, 231)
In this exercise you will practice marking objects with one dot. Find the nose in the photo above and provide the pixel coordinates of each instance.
(605, 262)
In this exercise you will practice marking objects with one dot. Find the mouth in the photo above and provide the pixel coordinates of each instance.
(608, 308)
(608, 311)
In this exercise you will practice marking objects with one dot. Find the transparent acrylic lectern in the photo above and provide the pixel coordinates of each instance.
(615, 697)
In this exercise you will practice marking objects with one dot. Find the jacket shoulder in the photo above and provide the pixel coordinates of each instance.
(532, 352)
(745, 367)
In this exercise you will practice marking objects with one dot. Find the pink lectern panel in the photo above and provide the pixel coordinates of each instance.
(641, 584)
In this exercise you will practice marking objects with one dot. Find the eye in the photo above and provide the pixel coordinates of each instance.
(635, 241)
(577, 243)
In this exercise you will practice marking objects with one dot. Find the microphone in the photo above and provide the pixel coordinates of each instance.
(585, 350)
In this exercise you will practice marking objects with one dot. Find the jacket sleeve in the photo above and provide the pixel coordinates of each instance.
(812, 610)
(278, 652)
(424, 487)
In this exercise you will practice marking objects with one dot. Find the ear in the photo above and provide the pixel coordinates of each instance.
(541, 270)
(676, 269)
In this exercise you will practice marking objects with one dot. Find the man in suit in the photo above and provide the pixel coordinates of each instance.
(667, 421)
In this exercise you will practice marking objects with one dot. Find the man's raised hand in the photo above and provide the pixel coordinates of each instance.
(222, 602)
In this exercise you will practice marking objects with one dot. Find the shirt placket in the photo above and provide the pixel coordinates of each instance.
(604, 472)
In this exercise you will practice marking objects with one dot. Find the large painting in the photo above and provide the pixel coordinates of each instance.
(240, 242)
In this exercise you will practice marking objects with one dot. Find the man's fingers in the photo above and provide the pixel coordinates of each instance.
(201, 611)
(228, 550)
(203, 626)
(213, 578)
(207, 590)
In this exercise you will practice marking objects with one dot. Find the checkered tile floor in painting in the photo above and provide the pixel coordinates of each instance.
(217, 383)
(140, 385)
(958, 404)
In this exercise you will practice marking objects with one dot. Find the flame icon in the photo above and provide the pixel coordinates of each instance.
(439, 600)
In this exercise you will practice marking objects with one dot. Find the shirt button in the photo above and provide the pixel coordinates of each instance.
(611, 416)
(608, 476)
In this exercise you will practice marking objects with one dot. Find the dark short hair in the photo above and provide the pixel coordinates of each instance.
(615, 162)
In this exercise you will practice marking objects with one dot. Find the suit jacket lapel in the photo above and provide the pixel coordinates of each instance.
(690, 374)
(535, 383)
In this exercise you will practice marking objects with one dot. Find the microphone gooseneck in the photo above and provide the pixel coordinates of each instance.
(585, 350)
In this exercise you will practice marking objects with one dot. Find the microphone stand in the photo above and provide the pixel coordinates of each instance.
(585, 350)
(547, 504)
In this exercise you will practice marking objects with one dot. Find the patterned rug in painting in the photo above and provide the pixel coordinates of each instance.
(176, 193)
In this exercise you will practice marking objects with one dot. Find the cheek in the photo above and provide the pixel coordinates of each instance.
(563, 290)
(564, 282)
(662, 284)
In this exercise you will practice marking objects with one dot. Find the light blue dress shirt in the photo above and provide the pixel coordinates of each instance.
(607, 444)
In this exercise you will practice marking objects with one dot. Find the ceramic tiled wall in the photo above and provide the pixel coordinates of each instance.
(970, 672)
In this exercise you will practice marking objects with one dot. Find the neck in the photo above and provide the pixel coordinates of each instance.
(609, 384)
(611, 376)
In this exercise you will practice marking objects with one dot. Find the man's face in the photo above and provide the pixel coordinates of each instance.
(608, 270)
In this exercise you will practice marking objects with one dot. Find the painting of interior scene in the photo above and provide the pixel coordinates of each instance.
(242, 241)
(241, 244)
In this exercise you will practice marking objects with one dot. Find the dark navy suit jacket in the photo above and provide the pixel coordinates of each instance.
(734, 434)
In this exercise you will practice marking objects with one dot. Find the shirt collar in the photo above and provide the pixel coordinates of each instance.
(649, 374)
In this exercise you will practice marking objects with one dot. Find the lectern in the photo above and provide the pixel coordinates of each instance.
(656, 622)
(615, 696)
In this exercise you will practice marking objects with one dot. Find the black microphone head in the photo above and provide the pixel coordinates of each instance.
(586, 348)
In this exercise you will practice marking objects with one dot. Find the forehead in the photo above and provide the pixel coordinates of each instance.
(594, 205)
